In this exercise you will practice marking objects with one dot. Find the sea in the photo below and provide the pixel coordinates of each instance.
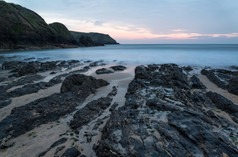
(182, 54)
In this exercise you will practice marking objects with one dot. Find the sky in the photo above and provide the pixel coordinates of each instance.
(146, 21)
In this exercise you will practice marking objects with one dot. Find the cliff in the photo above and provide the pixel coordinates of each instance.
(97, 38)
(23, 28)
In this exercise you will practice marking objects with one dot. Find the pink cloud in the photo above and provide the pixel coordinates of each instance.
(178, 30)
(132, 32)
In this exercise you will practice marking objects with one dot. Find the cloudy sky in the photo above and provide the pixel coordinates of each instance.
(145, 21)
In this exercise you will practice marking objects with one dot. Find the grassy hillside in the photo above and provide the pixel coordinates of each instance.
(23, 28)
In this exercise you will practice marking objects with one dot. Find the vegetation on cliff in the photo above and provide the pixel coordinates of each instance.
(21, 28)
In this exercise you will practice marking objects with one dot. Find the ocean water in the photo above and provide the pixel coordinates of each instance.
(183, 54)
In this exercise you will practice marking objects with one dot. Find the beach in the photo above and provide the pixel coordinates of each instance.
(115, 102)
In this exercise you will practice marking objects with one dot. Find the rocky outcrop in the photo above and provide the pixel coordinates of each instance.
(92, 110)
(196, 83)
(21, 28)
(225, 79)
(74, 91)
(233, 85)
(33, 67)
(81, 85)
(104, 71)
(164, 116)
(71, 152)
(223, 103)
(118, 68)
(97, 38)
(58, 142)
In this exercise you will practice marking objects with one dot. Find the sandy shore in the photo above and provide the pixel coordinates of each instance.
(46, 134)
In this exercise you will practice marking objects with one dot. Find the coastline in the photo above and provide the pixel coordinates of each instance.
(90, 139)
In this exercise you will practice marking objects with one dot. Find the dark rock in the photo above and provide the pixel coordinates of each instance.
(5, 145)
(201, 134)
(204, 71)
(52, 73)
(33, 88)
(59, 149)
(2, 79)
(3, 94)
(161, 106)
(98, 123)
(12, 65)
(81, 84)
(196, 83)
(141, 72)
(104, 71)
(96, 63)
(25, 70)
(92, 110)
(22, 81)
(166, 120)
(60, 141)
(188, 68)
(28, 59)
(233, 85)
(84, 69)
(71, 152)
(45, 66)
(113, 107)
(41, 111)
(4, 103)
(219, 76)
(222, 103)
(51, 108)
(118, 68)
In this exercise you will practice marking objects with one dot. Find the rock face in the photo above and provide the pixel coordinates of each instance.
(96, 38)
(164, 116)
(23, 28)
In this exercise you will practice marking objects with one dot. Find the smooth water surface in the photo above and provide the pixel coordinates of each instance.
(186, 54)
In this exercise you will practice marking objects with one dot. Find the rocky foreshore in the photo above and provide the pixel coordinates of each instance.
(84, 108)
